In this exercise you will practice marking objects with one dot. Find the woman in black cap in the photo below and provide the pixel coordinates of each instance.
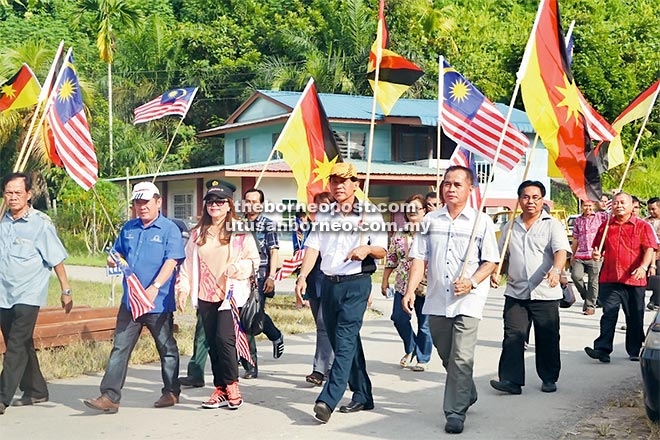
(219, 258)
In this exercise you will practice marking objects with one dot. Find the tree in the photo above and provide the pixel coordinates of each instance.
(105, 14)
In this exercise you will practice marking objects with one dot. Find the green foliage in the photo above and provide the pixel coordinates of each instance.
(228, 48)
(88, 221)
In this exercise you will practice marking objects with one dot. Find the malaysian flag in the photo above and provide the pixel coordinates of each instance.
(70, 130)
(174, 102)
(242, 344)
(138, 300)
(474, 123)
(465, 158)
(289, 266)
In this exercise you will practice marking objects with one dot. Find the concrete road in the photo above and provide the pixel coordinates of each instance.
(408, 404)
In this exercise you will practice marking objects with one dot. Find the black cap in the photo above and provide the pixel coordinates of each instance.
(220, 189)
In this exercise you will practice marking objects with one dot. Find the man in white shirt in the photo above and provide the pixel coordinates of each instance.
(348, 241)
(456, 293)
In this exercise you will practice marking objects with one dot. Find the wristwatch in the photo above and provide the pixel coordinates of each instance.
(66, 292)
(156, 284)
(474, 283)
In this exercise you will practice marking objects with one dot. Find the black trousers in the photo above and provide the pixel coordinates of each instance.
(631, 300)
(518, 314)
(343, 307)
(20, 366)
(219, 329)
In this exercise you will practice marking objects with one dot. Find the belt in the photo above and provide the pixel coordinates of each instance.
(342, 278)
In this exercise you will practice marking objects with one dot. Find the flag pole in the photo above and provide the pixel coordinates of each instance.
(372, 122)
(176, 131)
(43, 95)
(49, 103)
(524, 64)
(515, 209)
(309, 84)
(632, 154)
(441, 100)
(167, 150)
(491, 173)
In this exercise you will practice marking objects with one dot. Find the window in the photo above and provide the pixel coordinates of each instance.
(413, 143)
(277, 154)
(483, 171)
(183, 206)
(242, 150)
(351, 144)
(289, 216)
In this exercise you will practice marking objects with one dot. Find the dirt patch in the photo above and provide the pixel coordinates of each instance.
(622, 417)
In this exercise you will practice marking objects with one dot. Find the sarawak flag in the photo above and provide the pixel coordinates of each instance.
(20, 91)
(242, 344)
(465, 158)
(70, 130)
(174, 102)
(553, 104)
(474, 123)
(610, 154)
(308, 145)
(396, 74)
(138, 300)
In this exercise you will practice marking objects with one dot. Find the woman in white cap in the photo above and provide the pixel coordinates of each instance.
(219, 258)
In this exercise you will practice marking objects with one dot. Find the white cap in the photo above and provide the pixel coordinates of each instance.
(144, 191)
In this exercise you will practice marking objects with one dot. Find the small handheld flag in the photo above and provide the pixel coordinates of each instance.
(138, 299)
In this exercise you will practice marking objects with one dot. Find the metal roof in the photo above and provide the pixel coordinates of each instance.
(279, 166)
(359, 107)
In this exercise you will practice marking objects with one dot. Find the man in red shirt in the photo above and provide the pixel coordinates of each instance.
(627, 254)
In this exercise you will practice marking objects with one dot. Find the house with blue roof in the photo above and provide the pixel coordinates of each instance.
(404, 159)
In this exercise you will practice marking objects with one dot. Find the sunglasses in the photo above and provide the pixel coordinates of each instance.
(216, 202)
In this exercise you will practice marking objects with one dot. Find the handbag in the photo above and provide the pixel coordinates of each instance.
(568, 297)
(252, 312)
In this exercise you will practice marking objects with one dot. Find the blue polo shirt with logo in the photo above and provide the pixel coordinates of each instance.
(145, 250)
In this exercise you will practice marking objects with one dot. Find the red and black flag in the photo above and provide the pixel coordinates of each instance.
(308, 145)
(396, 73)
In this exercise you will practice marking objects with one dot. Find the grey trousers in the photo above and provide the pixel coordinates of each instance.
(588, 291)
(455, 339)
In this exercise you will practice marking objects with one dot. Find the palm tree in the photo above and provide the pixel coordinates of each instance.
(106, 14)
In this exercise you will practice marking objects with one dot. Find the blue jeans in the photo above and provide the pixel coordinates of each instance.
(421, 343)
(127, 333)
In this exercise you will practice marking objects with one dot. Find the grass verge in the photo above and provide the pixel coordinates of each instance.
(84, 357)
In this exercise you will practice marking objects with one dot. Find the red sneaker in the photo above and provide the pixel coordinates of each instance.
(217, 400)
(235, 400)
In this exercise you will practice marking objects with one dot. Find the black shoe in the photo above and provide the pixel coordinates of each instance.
(315, 378)
(454, 425)
(355, 407)
(597, 354)
(634, 358)
(322, 412)
(278, 347)
(548, 387)
(652, 306)
(190, 382)
(3, 407)
(25, 401)
(506, 386)
(251, 374)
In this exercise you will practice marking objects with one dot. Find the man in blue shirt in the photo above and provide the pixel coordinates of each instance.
(153, 247)
(29, 248)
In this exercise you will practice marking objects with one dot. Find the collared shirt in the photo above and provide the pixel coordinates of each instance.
(445, 247)
(266, 231)
(655, 223)
(29, 248)
(335, 235)
(531, 256)
(584, 231)
(624, 248)
(145, 251)
(398, 258)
